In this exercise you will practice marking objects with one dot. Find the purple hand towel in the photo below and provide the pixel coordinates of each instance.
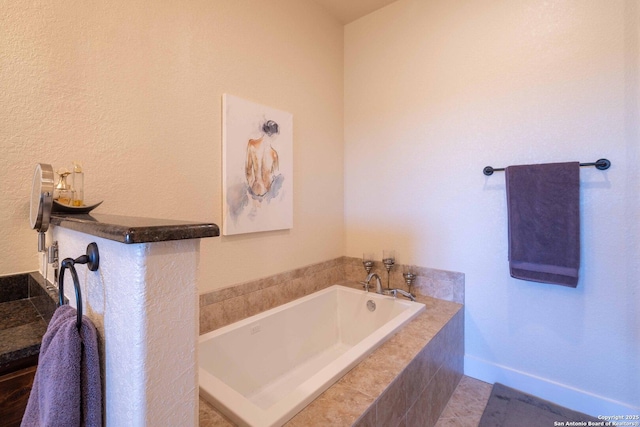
(544, 222)
(67, 388)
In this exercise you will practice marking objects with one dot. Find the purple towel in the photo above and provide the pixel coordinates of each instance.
(544, 222)
(67, 388)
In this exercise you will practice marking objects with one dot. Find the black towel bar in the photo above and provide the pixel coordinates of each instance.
(92, 259)
(601, 164)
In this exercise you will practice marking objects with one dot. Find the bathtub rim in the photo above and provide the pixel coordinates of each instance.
(296, 401)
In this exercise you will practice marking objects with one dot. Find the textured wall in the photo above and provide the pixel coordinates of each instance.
(435, 91)
(133, 90)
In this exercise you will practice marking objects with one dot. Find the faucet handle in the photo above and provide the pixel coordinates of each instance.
(404, 293)
(365, 285)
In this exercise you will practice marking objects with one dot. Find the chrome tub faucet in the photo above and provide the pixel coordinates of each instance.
(379, 290)
(378, 282)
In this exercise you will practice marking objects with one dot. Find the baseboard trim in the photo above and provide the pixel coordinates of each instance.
(561, 394)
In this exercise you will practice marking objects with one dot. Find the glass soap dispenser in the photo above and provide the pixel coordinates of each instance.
(62, 193)
(77, 185)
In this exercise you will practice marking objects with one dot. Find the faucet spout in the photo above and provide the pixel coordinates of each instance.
(378, 282)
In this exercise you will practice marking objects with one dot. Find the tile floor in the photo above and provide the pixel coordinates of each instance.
(466, 404)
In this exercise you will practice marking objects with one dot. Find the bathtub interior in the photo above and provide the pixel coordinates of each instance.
(262, 350)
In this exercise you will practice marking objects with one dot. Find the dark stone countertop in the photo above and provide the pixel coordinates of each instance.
(128, 229)
(26, 307)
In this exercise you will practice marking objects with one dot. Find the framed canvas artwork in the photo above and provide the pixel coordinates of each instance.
(257, 167)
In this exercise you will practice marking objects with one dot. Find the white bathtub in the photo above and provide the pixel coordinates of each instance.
(262, 370)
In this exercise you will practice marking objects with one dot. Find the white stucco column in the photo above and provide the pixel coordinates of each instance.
(143, 300)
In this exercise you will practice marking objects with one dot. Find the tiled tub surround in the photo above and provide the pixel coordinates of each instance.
(225, 306)
(263, 370)
(407, 381)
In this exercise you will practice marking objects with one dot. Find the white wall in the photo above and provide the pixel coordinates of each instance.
(133, 90)
(435, 91)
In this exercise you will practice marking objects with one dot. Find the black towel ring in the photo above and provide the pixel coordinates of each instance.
(92, 259)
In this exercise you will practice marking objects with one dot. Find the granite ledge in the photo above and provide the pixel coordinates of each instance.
(129, 229)
(24, 318)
